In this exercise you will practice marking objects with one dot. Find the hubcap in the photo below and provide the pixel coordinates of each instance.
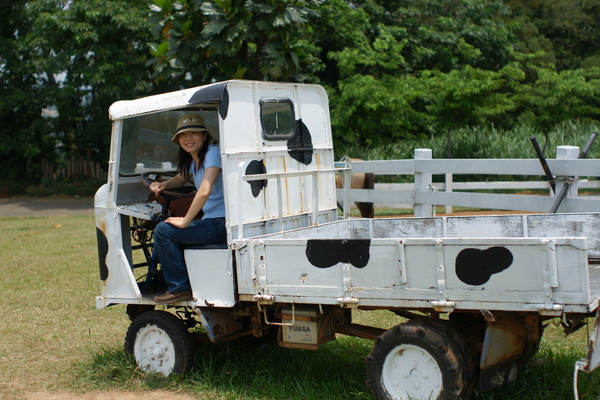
(410, 372)
(154, 350)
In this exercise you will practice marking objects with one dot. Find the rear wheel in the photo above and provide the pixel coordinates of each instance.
(418, 360)
(160, 343)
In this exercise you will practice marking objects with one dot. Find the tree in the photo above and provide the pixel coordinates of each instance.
(21, 103)
(201, 41)
(565, 30)
(421, 67)
(558, 96)
(70, 60)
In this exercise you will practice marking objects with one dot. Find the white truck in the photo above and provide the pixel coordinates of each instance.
(473, 291)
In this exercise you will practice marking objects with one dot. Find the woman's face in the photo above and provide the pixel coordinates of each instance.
(192, 142)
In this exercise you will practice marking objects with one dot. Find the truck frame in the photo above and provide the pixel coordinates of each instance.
(473, 292)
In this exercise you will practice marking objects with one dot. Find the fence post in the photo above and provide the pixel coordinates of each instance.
(567, 153)
(449, 188)
(423, 182)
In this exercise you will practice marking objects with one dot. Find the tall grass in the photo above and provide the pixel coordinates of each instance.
(53, 338)
(485, 142)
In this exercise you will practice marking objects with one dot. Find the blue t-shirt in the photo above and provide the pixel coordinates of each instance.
(215, 205)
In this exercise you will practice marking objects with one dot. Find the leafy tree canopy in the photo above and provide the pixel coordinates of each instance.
(223, 39)
(394, 69)
(63, 64)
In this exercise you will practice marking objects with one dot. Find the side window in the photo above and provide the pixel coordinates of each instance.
(277, 119)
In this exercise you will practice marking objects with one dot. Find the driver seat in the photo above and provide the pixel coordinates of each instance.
(178, 207)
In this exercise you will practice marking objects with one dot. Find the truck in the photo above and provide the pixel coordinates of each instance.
(472, 293)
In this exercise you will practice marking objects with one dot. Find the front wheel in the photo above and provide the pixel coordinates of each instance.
(416, 360)
(160, 343)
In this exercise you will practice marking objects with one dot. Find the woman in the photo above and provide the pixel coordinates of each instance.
(199, 160)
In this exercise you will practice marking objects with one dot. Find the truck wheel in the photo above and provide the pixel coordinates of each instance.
(417, 360)
(159, 342)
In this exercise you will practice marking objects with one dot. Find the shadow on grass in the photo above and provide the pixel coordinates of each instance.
(261, 369)
(246, 369)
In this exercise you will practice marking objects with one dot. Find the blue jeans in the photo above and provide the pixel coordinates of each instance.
(169, 242)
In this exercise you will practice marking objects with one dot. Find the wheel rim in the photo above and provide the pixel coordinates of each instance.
(154, 350)
(410, 372)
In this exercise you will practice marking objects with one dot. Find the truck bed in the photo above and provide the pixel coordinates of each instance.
(542, 262)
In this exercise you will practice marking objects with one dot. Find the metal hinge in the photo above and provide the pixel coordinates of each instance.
(348, 302)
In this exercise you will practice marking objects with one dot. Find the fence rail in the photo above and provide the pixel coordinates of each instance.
(76, 168)
(423, 194)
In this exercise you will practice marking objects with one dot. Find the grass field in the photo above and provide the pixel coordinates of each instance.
(55, 341)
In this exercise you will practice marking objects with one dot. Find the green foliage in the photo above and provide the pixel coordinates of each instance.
(79, 186)
(488, 142)
(199, 41)
(554, 97)
(446, 65)
(565, 30)
(10, 188)
(63, 64)
(395, 69)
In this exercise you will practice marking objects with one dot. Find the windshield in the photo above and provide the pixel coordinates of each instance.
(146, 144)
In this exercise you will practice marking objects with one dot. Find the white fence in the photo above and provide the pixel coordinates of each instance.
(423, 194)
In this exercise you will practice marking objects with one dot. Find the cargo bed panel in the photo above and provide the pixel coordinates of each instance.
(417, 262)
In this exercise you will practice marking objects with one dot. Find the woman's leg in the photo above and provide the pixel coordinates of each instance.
(169, 241)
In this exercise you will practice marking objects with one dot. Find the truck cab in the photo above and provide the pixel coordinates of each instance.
(278, 131)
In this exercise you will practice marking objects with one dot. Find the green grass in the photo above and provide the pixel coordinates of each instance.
(49, 281)
(53, 338)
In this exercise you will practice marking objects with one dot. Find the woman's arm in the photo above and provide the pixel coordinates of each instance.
(210, 176)
(174, 182)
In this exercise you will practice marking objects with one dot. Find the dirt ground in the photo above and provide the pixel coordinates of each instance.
(46, 206)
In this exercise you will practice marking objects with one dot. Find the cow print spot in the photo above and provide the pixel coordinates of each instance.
(102, 252)
(256, 167)
(300, 147)
(476, 267)
(217, 92)
(325, 253)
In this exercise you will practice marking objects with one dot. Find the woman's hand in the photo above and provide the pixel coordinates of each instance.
(173, 183)
(179, 222)
(157, 187)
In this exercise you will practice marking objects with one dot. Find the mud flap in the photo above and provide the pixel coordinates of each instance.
(503, 345)
(498, 375)
(219, 323)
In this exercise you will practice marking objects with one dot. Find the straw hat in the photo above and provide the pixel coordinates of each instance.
(189, 123)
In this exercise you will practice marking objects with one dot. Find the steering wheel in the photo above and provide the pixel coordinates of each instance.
(150, 177)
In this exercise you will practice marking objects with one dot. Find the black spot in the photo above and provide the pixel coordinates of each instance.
(102, 252)
(224, 104)
(475, 267)
(213, 93)
(325, 253)
(300, 147)
(256, 168)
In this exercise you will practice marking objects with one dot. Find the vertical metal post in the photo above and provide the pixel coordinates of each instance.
(423, 182)
(241, 169)
(279, 203)
(315, 193)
